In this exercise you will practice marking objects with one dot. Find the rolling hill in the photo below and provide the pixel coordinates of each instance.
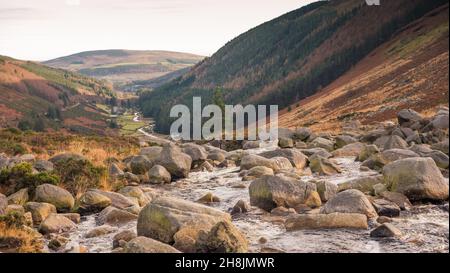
(291, 57)
(34, 96)
(125, 66)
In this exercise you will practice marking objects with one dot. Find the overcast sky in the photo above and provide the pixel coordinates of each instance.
(46, 29)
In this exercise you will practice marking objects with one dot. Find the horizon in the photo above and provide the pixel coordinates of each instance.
(54, 29)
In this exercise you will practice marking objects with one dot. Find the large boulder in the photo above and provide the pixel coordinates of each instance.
(20, 197)
(136, 192)
(367, 152)
(397, 198)
(269, 192)
(440, 122)
(117, 200)
(350, 150)
(417, 178)
(223, 237)
(159, 175)
(43, 165)
(114, 216)
(386, 230)
(39, 211)
(93, 202)
(441, 159)
(282, 163)
(302, 134)
(323, 166)
(327, 221)
(395, 142)
(56, 223)
(257, 172)
(61, 198)
(147, 245)
(408, 116)
(140, 165)
(349, 201)
(164, 217)
(316, 151)
(442, 146)
(61, 158)
(321, 142)
(177, 163)
(363, 184)
(297, 158)
(196, 152)
(248, 145)
(250, 161)
(152, 153)
(285, 142)
(344, 140)
(326, 190)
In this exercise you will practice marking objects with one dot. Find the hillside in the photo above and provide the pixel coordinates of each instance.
(291, 57)
(33, 96)
(125, 66)
(408, 71)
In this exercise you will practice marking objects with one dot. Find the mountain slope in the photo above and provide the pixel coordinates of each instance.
(125, 66)
(291, 57)
(408, 71)
(39, 97)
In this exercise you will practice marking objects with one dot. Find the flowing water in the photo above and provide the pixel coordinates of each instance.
(425, 227)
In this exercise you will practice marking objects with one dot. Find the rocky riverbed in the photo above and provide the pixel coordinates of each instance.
(380, 188)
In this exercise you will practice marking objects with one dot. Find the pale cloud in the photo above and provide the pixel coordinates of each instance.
(46, 29)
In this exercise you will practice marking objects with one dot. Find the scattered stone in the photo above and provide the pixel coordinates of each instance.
(408, 116)
(327, 221)
(100, 231)
(208, 199)
(162, 218)
(323, 166)
(367, 152)
(93, 202)
(114, 216)
(74, 217)
(384, 219)
(282, 164)
(223, 237)
(316, 152)
(313, 200)
(56, 223)
(250, 161)
(282, 211)
(321, 142)
(123, 236)
(417, 178)
(363, 184)
(152, 153)
(302, 134)
(386, 230)
(350, 150)
(386, 208)
(11, 208)
(344, 140)
(115, 171)
(140, 164)
(249, 145)
(350, 201)
(378, 189)
(395, 142)
(39, 211)
(61, 198)
(284, 142)
(57, 242)
(136, 192)
(297, 158)
(326, 190)
(399, 199)
(269, 192)
(177, 163)
(117, 200)
(147, 245)
(240, 207)
(196, 152)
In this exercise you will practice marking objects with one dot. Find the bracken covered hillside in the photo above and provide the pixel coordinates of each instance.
(33, 96)
(409, 71)
(291, 57)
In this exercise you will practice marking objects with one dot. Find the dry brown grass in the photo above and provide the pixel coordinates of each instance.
(21, 240)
